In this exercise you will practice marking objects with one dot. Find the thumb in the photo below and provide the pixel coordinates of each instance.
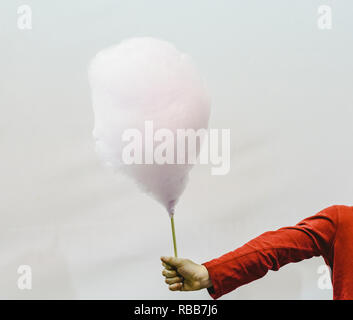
(172, 261)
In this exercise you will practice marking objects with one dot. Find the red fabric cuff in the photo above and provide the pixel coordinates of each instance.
(216, 290)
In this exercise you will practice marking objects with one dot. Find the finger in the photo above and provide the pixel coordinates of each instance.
(169, 273)
(173, 280)
(168, 267)
(176, 286)
(172, 261)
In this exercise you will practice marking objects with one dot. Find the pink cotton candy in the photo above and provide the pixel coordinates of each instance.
(139, 80)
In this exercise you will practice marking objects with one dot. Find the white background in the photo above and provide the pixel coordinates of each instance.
(281, 85)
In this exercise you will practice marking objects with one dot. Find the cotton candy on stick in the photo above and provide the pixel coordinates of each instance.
(147, 81)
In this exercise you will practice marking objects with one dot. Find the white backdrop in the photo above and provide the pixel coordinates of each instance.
(281, 85)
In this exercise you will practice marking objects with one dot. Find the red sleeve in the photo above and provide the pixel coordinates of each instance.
(313, 236)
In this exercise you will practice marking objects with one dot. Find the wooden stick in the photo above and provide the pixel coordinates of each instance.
(174, 238)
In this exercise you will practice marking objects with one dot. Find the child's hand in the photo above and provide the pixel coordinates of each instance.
(185, 275)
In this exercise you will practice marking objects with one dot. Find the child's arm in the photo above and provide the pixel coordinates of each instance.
(314, 236)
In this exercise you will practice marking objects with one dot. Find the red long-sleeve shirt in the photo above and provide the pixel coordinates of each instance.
(328, 233)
